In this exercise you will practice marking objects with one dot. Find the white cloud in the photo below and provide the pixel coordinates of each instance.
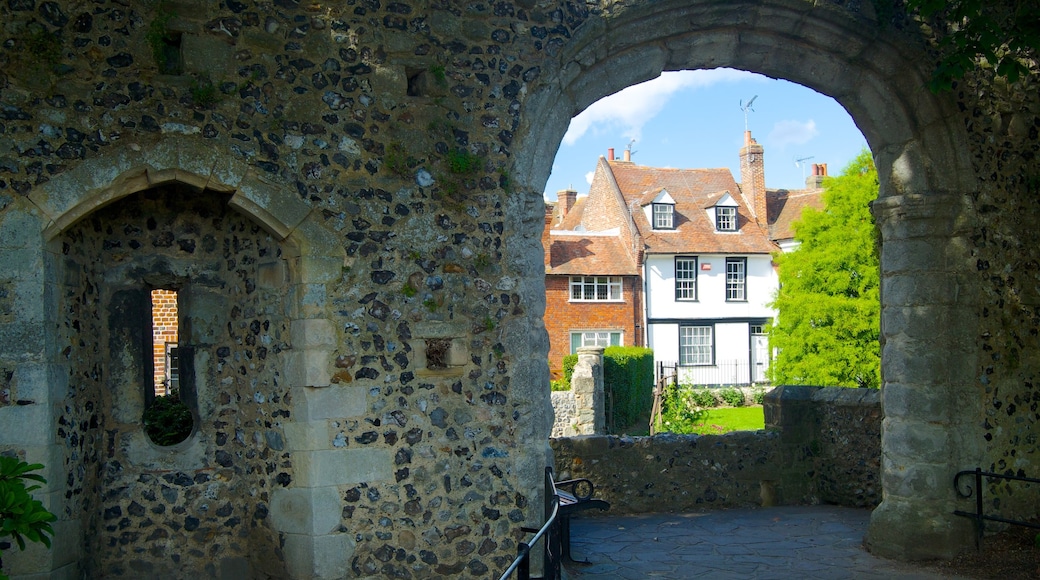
(786, 133)
(633, 107)
(589, 176)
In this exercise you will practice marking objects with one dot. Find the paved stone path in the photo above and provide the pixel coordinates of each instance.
(784, 542)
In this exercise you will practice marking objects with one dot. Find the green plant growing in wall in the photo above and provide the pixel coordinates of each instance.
(163, 42)
(22, 517)
(431, 304)
(439, 76)
(489, 323)
(396, 159)
(44, 46)
(408, 290)
(463, 163)
(204, 92)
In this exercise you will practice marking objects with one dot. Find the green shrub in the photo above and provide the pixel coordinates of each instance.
(560, 385)
(628, 377)
(700, 396)
(22, 517)
(732, 397)
(758, 396)
(679, 413)
(168, 421)
(568, 366)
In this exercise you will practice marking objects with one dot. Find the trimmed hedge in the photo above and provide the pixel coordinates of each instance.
(628, 377)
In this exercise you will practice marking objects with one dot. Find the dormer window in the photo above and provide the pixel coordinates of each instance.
(725, 218)
(664, 216)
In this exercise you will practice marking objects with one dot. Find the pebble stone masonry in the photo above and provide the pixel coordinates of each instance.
(347, 197)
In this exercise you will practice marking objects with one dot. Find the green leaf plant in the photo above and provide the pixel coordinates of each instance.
(22, 517)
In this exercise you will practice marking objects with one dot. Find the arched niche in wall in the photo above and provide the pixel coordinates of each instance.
(241, 254)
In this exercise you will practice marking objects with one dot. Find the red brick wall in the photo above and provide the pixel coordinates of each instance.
(563, 316)
(164, 329)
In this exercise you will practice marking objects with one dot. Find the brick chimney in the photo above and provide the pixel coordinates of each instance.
(815, 181)
(753, 177)
(566, 200)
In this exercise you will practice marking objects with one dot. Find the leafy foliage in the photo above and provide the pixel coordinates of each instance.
(559, 385)
(628, 375)
(22, 517)
(828, 329)
(732, 397)
(1006, 34)
(168, 421)
(700, 397)
(680, 413)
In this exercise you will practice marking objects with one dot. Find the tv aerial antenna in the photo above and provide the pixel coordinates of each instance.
(747, 109)
(801, 163)
(629, 148)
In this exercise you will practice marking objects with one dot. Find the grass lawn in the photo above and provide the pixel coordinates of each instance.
(726, 419)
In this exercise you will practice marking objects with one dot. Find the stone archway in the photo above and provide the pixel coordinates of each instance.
(924, 212)
(308, 259)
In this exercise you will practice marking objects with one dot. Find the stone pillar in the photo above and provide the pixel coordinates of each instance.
(587, 386)
(928, 362)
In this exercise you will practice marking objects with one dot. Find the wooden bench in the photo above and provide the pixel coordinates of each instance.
(575, 496)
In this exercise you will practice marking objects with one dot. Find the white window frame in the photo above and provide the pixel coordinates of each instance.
(696, 345)
(686, 279)
(726, 218)
(596, 289)
(736, 279)
(602, 338)
(664, 216)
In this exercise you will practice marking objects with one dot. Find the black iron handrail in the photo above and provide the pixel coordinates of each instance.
(979, 516)
(551, 532)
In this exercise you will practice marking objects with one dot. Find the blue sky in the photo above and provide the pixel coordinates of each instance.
(693, 119)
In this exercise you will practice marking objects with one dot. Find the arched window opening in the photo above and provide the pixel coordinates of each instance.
(167, 417)
(165, 362)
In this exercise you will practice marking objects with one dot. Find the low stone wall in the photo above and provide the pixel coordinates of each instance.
(564, 407)
(821, 445)
(672, 472)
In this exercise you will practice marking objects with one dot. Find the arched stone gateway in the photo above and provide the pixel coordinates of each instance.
(924, 212)
(380, 166)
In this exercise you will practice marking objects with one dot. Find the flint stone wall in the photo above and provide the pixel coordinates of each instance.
(821, 445)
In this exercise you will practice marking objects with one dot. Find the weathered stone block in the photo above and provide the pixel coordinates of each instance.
(341, 466)
(305, 511)
(318, 557)
(207, 55)
(312, 333)
(27, 425)
(334, 402)
(308, 368)
(306, 435)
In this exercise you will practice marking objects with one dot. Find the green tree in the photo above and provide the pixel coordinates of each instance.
(1003, 34)
(827, 329)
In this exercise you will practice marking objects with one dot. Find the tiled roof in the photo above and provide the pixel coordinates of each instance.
(589, 255)
(785, 207)
(692, 190)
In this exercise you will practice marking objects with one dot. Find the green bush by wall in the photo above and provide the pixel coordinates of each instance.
(628, 380)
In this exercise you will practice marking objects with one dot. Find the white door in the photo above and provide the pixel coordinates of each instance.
(759, 357)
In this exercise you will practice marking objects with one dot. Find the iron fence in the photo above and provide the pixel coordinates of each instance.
(721, 374)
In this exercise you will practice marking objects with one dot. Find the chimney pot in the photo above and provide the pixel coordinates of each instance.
(628, 155)
(610, 154)
(823, 169)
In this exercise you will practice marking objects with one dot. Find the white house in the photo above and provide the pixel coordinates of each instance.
(704, 246)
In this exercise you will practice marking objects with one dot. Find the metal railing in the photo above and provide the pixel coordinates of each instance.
(550, 533)
(729, 374)
(979, 516)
